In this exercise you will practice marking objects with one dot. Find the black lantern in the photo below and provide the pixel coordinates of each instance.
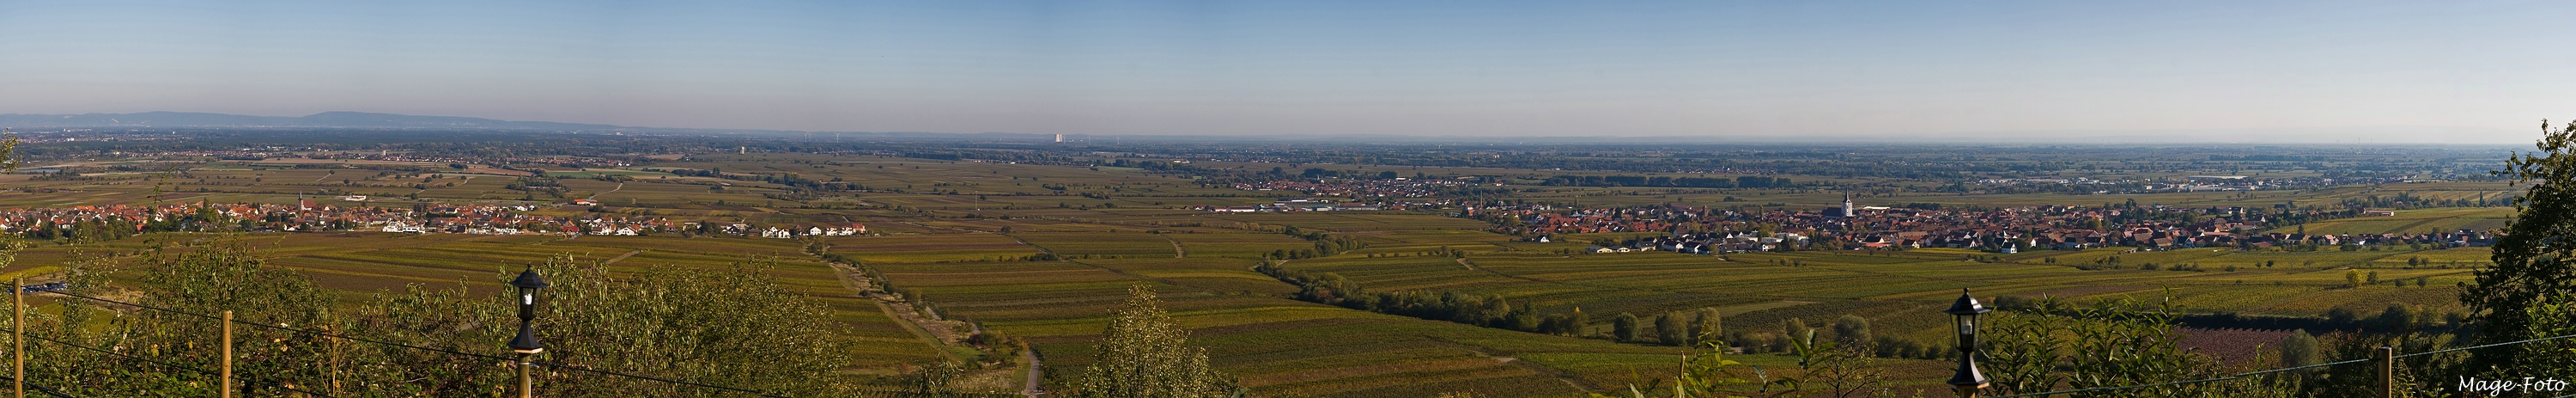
(1964, 312)
(529, 286)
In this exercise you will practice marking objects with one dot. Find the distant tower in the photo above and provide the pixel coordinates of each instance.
(1847, 205)
(1059, 138)
(742, 150)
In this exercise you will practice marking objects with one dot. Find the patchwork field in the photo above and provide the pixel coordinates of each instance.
(1271, 343)
(1044, 251)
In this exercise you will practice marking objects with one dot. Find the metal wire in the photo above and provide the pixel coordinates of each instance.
(446, 351)
(42, 389)
(2261, 372)
(281, 386)
(2225, 378)
(587, 369)
(2485, 346)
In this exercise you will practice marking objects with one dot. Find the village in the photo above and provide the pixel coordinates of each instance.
(89, 223)
(1702, 230)
(1389, 187)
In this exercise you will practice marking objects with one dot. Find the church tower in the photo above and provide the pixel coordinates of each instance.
(1847, 206)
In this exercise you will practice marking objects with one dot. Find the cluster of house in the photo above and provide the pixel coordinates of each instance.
(1705, 230)
(2203, 183)
(306, 215)
(792, 232)
(1307, 204)
(1697, 243)
(569, 161)
(1359, 188)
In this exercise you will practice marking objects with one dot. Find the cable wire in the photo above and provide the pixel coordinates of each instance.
(446, 351)
(281, 386)
(42, 389)
(2260, 372)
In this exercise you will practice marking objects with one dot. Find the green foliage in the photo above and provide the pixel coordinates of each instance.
(734, 328)
(1669, 330)
(1706, 373)
(1143, 353)
(2527, 263)
(1624, 327)
(1851, 330)
(2419, 374)
(2111, 343)
(8, 153)
(2298, 349)
(2554, 316)
(1706, 326)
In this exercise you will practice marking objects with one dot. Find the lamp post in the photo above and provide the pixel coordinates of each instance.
(529, 285)
(1964, 313)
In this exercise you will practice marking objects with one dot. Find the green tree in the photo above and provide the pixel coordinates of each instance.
(1143, 353)
(1669, 330)
(2527, 263)
(1624, 327)
(1496, 310)
(9, 153)
(1851, 330)
(2398, 317)
(2554, 315)
(1705, 327)
(2299, 349)
(2110, 343)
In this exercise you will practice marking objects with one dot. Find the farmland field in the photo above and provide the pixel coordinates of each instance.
(1041, 243)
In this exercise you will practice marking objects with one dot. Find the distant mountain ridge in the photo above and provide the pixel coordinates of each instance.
(324, 119)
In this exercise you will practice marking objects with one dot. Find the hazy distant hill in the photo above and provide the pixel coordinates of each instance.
(325, 119)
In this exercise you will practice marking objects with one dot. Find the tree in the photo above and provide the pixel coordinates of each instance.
(2116, 342)
(2397, 318)
(2527, 264)
(8, 153)
(1669, 330)
(1851, 330)
(1624, 327)
(1705, 327)
(1496, 310)
(2299, 349)
(2554, 315)
(1143, 353)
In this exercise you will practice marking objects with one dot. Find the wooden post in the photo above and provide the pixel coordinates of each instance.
(335, 358)
(527, 385)
(227, 386)
(18, 337)
(2387, 358)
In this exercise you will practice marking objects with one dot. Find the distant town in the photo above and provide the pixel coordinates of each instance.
(94, 223)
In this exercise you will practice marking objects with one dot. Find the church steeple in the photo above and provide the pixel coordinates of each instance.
(1847, 205)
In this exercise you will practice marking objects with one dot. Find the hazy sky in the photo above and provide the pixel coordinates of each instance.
(2352, 71)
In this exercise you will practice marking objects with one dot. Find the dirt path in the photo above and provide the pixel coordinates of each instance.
(614, 260)
(1034, 389)
(595, 196)
(1560, 375)
(851, 280)
(1177, 251)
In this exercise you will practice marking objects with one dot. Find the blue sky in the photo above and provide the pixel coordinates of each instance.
(2348, 71)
